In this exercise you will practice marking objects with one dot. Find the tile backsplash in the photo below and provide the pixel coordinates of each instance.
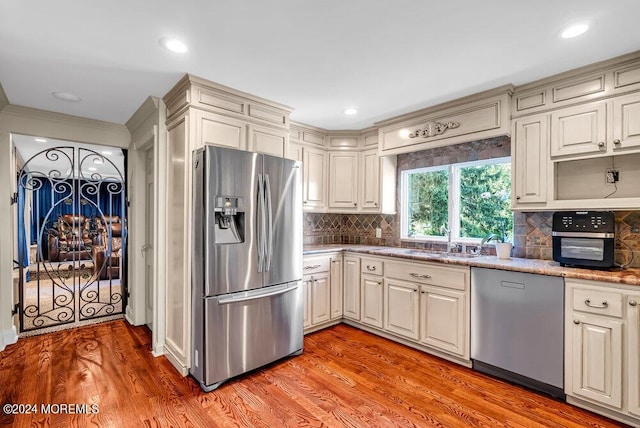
(532, 233)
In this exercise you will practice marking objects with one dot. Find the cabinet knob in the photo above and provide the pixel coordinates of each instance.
(375, 204)
(518, 198)
(415, 290)
(379, 282)
(601, 144)
(616, 142)
(304, 202)
(632, 303)
(576, 321)
(355, 204)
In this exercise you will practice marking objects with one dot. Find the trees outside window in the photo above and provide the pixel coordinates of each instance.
(472, 199)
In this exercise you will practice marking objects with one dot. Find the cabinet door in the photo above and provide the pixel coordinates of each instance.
(401, 303)
(579, 130)
(336, 287)
(307, 283)
(314, 173)
(343, 180)
(626, 122)
(633, 352)
(597, 359)
(269, 141)
(351, 287)
(370, 180)
(530, 161)
(219, 130)
(372, 299)
(443, 319)
(320, 298)
(295, 152)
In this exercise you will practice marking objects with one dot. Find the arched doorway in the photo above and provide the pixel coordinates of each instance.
(72, 233)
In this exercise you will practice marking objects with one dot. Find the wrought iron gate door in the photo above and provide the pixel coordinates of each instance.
(72, 234)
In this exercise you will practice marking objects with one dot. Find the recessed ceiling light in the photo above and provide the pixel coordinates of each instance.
(574, 31)
(106, 152)
(350, 111)
(66, 96)
(40, 140)
(174, 45)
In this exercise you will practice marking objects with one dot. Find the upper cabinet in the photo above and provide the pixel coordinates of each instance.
(343, 170)
(529, 143)
(269, 141)
(483, 115)
(579, 130)
(576, 142)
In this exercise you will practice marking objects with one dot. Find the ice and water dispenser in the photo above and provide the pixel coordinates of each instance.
(229, 220)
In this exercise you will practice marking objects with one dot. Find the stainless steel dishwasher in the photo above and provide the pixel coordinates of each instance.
(517, 328)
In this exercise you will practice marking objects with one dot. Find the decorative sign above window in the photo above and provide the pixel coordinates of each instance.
(432, 129)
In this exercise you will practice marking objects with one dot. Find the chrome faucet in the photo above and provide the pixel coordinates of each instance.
(451, 248)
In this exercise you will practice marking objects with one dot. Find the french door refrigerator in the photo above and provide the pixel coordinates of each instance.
(247, 297)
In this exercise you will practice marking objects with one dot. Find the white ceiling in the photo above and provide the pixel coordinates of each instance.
(384, 57)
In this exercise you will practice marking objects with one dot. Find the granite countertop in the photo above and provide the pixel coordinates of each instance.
(543, 267)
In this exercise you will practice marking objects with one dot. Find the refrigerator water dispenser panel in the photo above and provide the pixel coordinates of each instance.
(229, 222)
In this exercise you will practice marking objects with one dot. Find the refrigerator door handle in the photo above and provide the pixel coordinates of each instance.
(269, 236)
(260, 220)
(256, 294)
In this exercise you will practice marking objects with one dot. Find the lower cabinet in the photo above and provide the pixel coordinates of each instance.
(351, 287)
(401, 305)
(424, 303)
(336, 287)
(443, 319)
(602, 348)
(372, 300)
(319, 287)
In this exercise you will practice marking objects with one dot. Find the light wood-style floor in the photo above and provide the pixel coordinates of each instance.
(345, 378)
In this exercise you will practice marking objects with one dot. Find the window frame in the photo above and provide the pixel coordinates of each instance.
(453, 203)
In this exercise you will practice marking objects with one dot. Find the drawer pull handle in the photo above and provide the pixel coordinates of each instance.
(371, 268)
(419, 275)
(603, 305)
(312, 267)
(335, 261)
(632, 303)
(576, 321)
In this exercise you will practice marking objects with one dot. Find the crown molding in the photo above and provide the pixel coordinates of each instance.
(148, 108)
(31, 121)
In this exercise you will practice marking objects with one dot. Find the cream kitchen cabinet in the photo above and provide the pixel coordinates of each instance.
(370, 180)
(317, 283)
(266, 140)
(602, 344)
(218, 130)
(530, 158)
(579, 130)
(401, 308)
(443, 318)
(372, 300)
(314, 189)
(336, 287)
(626, 123)
(343, 180)
(351, 287)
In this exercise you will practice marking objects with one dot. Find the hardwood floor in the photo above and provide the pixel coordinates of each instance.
(346, 377)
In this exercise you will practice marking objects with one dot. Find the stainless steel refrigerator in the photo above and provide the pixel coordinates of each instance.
(247, 297)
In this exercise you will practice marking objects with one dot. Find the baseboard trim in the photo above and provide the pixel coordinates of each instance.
(158, 350)
(8, 337)
(174, 358)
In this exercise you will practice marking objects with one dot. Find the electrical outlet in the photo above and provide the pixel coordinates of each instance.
(378, 232)
(612, 176)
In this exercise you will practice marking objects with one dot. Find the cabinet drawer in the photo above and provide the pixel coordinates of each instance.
(606, 302)
(443, 276)
(316, 265)
(371, 267)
